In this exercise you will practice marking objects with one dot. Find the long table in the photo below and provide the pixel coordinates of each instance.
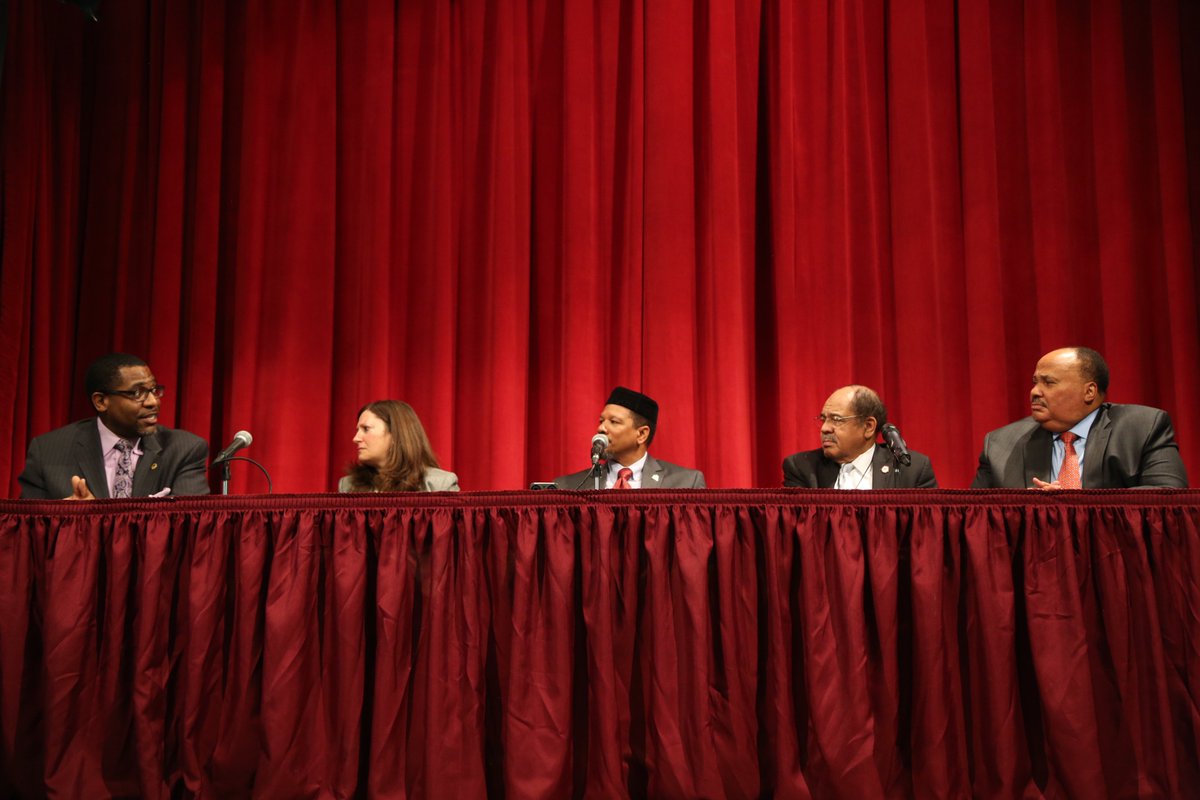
(558, 644)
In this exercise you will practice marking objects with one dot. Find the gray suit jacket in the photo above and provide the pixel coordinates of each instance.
(655, 475)
(811, 469)
(170, 458)
(1129, 446)
(436, 480)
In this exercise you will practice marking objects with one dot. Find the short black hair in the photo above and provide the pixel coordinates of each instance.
(1093, 367)
(866, 403)
(105, 372)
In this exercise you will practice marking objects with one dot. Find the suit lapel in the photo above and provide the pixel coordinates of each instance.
(652, 473)
(145, 477)
(827, 472)
(879, 478)
(1036, 458)
(1094, 447)
(90, 458)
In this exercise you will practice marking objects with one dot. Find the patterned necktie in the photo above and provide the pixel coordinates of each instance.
(623, 478)
(1068, 473)
(123, 480)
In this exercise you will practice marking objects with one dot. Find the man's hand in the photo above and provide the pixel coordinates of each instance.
(1038, 483)
(80, 490)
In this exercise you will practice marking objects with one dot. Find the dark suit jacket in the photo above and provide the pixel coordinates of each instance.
(655, 475)
(812, 470)
(1128, 446)
(169, 457)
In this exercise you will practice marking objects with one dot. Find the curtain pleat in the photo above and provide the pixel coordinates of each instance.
(499, 210)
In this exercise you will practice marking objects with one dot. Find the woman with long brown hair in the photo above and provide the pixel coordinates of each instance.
(394, 454)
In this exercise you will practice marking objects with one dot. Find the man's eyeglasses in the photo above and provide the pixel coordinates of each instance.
(834, 419)
(139, 394)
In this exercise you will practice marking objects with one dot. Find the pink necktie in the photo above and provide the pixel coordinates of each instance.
(1068, 474)
(623, 479)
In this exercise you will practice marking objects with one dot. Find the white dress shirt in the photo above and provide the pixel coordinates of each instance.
(856, 474)
(614, 468)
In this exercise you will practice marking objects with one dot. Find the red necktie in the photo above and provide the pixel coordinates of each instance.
(1068, 474)
(623, 478)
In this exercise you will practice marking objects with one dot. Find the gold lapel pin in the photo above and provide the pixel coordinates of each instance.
(154, 465)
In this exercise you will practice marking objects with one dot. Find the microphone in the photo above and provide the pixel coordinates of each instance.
(895, 443)
(240, 439)
(599, 445)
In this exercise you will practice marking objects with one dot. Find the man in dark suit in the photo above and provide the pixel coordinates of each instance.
(629, 420)
(122, 451)
(849, 458)
(1074, 439)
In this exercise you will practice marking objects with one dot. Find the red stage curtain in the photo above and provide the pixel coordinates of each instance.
(738, 644)
(498, 210)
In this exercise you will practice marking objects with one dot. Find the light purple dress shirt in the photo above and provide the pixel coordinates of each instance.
(108, 441)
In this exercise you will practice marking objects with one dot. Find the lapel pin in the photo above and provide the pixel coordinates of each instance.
(154, 465)
(655, 477)
(885, 468)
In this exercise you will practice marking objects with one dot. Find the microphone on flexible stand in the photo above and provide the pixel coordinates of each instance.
(895, 443)
(241, 439)
(599, 446)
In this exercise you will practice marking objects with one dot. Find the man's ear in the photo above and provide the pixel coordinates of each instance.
(643, 433)
(871, 428)
(1090, 393)
(100, 402)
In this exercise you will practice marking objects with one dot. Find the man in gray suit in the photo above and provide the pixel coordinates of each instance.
(1074, 439)
(629, 420)
(849, 457)
(122, 451)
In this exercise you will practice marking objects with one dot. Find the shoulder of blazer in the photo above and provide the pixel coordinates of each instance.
(1006, 435)
(81, 430)
(653, 471)
(1127, 413)
(811, 466)
(440, 480)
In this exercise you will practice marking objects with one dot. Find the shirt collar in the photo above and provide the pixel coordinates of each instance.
(615, 467)
(863, 462)
(1081, 428)
(108, 439)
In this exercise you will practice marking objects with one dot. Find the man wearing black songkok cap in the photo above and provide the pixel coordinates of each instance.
(629, 420)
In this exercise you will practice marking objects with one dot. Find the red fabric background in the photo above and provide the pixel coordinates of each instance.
(771, 643)
(498, 210)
